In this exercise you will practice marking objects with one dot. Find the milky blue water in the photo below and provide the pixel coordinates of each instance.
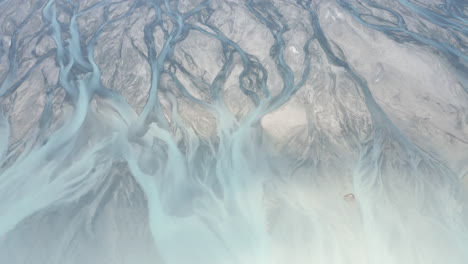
(231, 198)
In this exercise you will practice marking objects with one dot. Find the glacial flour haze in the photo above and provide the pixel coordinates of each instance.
(233, 131)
